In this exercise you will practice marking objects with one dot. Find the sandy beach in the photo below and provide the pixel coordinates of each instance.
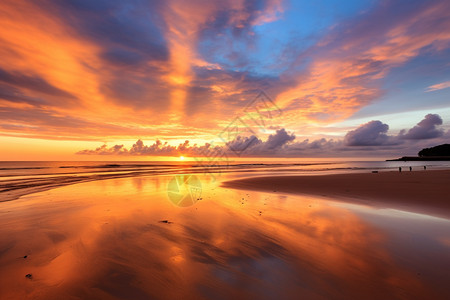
(124, 238)
(416, 191)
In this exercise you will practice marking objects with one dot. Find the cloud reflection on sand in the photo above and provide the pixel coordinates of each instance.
(104, 240)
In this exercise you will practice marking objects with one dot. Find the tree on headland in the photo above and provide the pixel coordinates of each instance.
(441, 150)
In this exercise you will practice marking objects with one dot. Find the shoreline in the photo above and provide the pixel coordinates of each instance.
(13, 189)
(418, 191)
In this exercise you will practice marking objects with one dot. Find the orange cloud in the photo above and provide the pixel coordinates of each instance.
(64, 75)
(346, 68)
(95, 71)
(439, 86)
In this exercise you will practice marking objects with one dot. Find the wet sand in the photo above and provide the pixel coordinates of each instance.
(125, 239)
(421, 191)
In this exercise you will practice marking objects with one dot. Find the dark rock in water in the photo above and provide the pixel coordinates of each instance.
(374, 171)
(29, 276)
(25, 256)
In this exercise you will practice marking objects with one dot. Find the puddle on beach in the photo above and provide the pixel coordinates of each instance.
(125, 238)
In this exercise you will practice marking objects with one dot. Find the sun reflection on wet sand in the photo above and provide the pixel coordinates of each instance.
(123, 238)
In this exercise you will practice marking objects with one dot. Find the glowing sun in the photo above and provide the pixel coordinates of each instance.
(181, 157)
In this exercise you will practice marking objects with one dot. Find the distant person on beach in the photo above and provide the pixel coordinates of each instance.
(400, 169)
(424, 167)
(410, 169)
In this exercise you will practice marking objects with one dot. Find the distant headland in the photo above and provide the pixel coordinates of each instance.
(441, 152)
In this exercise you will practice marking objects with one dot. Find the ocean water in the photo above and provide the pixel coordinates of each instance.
(9, 169)
(18, 178)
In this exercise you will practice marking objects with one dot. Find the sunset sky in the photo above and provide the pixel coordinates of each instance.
(110, 79)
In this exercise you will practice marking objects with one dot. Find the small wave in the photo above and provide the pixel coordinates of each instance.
(91, 167)
(108, 166)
